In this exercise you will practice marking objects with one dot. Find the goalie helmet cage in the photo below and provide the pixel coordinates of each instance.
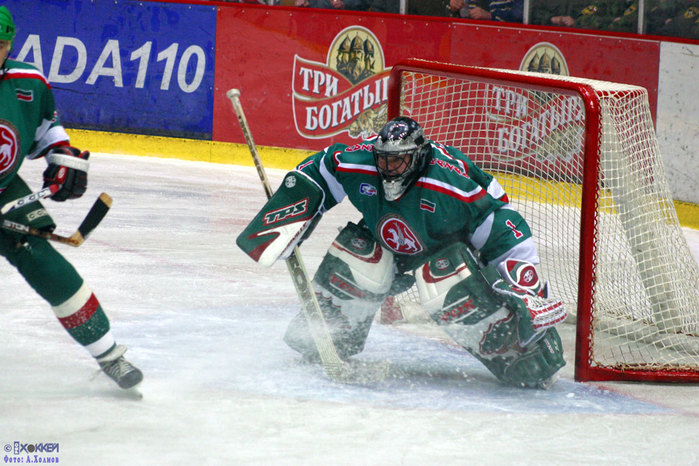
(579, 159)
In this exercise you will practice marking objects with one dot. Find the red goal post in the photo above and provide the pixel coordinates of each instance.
(580, 160)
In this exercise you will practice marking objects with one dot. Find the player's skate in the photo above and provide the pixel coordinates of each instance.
(125, 374)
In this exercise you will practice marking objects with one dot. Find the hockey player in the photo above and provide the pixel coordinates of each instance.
(30, 128)
(426, 209)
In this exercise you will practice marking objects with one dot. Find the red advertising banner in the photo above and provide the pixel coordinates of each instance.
(309, 78)
(619, 59)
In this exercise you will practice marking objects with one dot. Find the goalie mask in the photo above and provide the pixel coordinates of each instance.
(401, 153)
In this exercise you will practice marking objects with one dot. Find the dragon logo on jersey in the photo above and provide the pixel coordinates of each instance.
(399, 237)
(9, 148)
(348, 93)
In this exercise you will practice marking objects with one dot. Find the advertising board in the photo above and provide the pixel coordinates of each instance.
(123, 66)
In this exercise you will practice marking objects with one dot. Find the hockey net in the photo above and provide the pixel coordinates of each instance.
(579, 159)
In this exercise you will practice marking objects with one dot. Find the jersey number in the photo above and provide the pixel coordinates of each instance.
(518, 234)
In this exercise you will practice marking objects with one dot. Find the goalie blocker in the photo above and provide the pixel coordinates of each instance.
(287, 218)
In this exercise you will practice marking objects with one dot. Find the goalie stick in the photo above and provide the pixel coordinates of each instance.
(335, 368)
(94, 216)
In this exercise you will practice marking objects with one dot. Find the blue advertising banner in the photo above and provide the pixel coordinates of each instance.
(140, 67)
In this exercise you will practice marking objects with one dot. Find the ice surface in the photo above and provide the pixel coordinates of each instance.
(205, 324)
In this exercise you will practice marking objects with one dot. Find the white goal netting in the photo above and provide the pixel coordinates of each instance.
(579, 159)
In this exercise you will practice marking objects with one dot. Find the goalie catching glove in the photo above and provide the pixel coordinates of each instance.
(524, 283)
(68, 169)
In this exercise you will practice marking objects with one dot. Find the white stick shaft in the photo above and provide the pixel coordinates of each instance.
(234, 96)
(29, 198)
(316, 323)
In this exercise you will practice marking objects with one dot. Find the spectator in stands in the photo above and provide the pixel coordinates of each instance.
(503, 10)
(415, 7)
(359, 5)
(600, 14)
(628, 20)
(554, 12)
(462, 8)
(678, 18)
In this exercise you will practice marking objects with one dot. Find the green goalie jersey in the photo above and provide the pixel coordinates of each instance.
(447, 203)
(28, 121)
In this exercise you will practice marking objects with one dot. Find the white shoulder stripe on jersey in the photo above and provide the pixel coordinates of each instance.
(525, 250)
(448, 187)
(495, 189)
(481, 234)
(358, 167)
(336, 188)
(14, 72)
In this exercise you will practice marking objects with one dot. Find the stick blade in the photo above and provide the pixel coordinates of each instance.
(98, 211)
(358, 372)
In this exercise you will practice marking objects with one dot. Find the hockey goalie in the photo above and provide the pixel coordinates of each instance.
(430, 217)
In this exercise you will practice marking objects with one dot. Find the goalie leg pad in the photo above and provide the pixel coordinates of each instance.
(356, 266)
(348, 324)
(537, 366)
(453, 288)
(497, 329)
(494, 342)
(353, 279)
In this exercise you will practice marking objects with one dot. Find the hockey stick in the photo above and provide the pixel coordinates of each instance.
(334, 367)
(29, 198)
(94, 216)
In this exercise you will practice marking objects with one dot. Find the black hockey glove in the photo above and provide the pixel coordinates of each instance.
(68, 169)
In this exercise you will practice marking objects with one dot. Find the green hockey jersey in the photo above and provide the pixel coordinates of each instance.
(446, 204)
(29, 124)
